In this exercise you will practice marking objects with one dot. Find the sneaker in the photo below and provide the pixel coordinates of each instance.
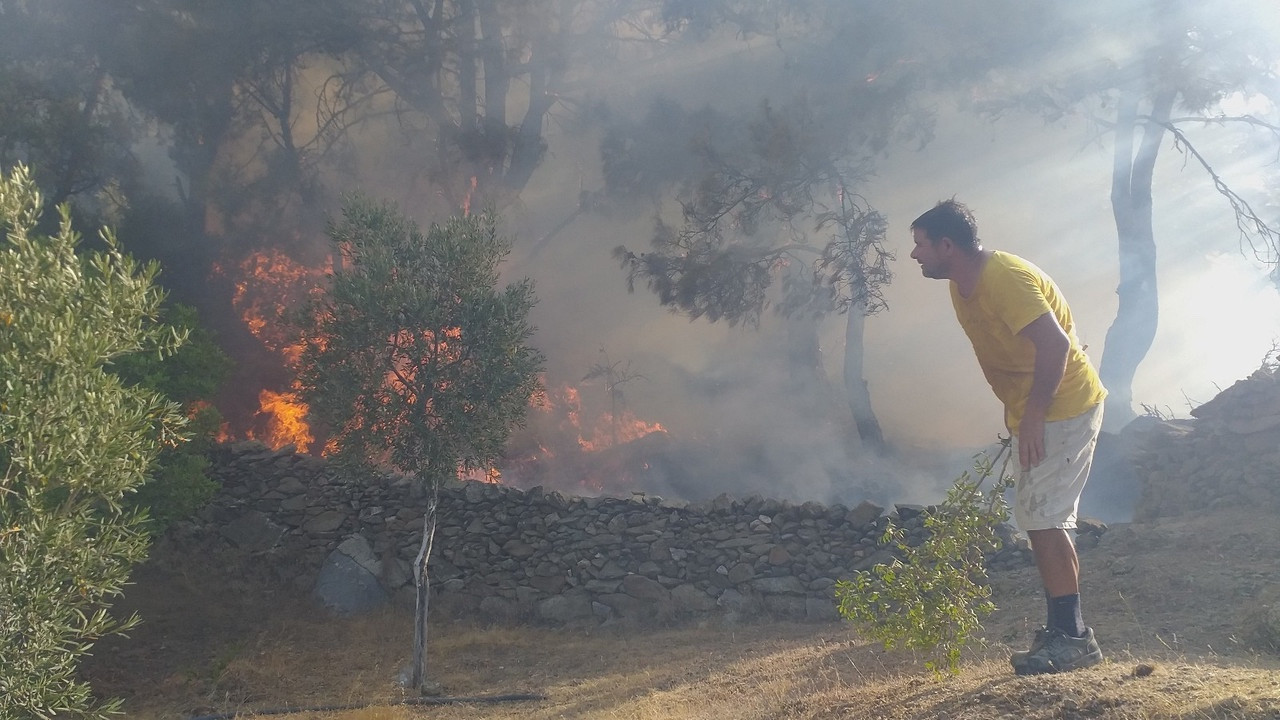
(1020, 656)
(1060, 653)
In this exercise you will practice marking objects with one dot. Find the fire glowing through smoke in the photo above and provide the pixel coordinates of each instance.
(267, 284)
(561, 445)
(286, 420)
(580, 447)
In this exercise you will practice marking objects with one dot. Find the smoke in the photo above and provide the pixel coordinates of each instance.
(1039, 189)
(735, 420)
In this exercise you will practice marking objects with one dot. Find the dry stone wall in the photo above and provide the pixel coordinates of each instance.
(1227, 456)
(508, 555)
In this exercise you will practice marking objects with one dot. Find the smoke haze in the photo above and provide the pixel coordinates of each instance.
(734, 422)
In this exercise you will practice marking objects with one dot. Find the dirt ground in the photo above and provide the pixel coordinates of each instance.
(1174, 604)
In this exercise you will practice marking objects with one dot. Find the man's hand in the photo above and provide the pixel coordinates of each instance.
(1031, 440)
(1051, 345)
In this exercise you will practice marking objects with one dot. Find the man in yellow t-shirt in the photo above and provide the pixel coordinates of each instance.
(1025, 340)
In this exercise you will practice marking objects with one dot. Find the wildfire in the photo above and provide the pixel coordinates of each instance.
(266, 285)
(269, 283)
(466, 199)
(591, 453)
(589, 447)
(284, 416)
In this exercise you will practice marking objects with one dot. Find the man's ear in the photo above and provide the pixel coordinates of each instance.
(945, 243)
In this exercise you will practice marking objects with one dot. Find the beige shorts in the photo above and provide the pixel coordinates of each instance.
(1048, 495)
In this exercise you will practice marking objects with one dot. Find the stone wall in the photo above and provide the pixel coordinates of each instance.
(509, 555)
(1228, 455)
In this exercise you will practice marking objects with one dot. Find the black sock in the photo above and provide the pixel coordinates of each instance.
(1064, 615)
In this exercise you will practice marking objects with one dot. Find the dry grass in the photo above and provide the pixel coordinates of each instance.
(766, 671)
(1154, 599)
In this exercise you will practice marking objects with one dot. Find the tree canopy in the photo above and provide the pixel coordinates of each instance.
(415, 359)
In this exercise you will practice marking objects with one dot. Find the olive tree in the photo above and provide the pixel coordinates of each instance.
(75, 442)
(415, 359)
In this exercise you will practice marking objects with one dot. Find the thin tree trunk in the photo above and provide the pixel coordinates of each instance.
(468, 68)
(855, 384)
(1138, 309)
(422, 585)
(529, 146)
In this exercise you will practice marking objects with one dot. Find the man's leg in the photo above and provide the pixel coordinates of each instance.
(1056, 560)
(1059, 568)
(1046, 500)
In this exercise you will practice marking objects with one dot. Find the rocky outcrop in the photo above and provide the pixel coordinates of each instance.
(535, 556)
(1228, 456)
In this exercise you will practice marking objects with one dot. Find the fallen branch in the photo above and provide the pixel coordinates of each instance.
(477, 700)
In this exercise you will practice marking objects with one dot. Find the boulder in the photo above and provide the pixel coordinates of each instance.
(347, 587)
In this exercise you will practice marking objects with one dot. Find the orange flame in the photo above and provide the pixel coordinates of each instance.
(560, 443)
(285, 417)
(466, 199)
(267, 284)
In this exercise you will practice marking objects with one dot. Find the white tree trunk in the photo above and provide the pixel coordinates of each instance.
(1138, 309)
(422, 584)
(855, 383)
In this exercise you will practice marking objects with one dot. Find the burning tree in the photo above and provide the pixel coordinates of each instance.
(415, 359)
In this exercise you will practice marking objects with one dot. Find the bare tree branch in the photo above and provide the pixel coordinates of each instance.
(1263, 240)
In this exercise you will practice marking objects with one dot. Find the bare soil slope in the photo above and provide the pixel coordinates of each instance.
(1174, 602)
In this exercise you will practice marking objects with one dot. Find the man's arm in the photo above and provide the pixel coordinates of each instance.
(1051, 345)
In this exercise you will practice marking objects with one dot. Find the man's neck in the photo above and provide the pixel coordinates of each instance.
(968, 271)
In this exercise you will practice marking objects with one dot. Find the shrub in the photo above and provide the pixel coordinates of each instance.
(180, 484)
(74, 443)
(932, 596)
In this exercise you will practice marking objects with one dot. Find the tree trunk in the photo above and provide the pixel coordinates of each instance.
(855, 384)
(1137, 314)
(421, 582)
(527, 152)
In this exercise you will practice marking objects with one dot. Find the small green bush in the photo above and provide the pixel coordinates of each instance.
(179, 485)
(932, 596)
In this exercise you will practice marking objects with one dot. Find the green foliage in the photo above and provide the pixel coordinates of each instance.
(932, 597)
(75, 441)
(191, 374)
(180, 484)
(415, 359)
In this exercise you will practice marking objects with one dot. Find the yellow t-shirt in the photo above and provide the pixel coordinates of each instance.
(1010, 294)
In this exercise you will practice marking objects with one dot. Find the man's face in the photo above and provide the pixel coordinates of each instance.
(930, 255)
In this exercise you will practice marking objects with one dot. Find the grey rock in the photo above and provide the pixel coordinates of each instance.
(737, 602)
(788, 585)
(565, 608)
(820, 610)
(327, 521)
(253, 532)
(346, 587)
(864, 514)
(639, 586)
(741, 573)
(688, 598)
(360, 551)
(518, 549)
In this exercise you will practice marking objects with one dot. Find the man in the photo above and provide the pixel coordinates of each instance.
(1024, 337)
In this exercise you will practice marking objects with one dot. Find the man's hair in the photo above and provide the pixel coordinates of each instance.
(950, 219)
